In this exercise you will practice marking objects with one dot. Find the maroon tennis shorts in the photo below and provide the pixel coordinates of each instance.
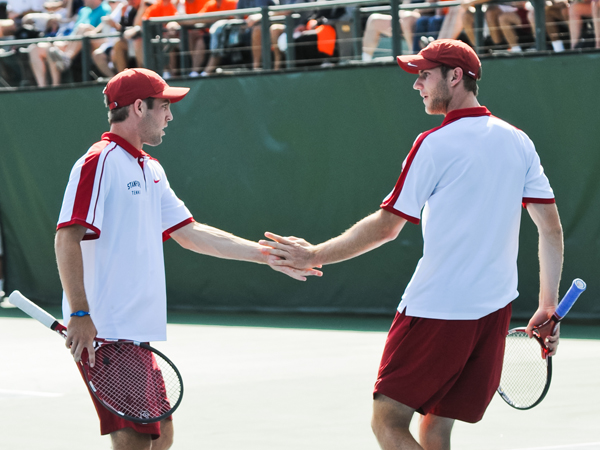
(450, 368)
(110, 422)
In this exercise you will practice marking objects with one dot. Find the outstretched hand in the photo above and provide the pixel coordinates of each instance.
(297, 274)
(290, 255)
(291, 251)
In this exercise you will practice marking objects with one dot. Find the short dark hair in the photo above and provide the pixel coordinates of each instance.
(469, 82)
(121, 114)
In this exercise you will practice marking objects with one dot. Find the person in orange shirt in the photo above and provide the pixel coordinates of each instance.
(164, 8)
(198, 37)
(161, 8)
(216, 32)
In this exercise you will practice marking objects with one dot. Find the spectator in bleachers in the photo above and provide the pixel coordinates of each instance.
(59, 54)
(56, 19)
(317, 42)
(251, 32)
(122, 17)
(428, 27)
(163, 8)
(514, 23)
(63, 55)
(458, 19)
(279, 34)
(199, 38)
(381, 24)
(16, 10)
(216, 32)
(557, 12)
(130, 46)
(578, 11)
(506, 22)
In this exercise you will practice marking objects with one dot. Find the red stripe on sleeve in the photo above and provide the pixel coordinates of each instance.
(167, 233)
(87, 237)
(393, 210)
(546, 201)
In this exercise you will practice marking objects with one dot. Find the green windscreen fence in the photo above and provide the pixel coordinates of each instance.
(305, 154)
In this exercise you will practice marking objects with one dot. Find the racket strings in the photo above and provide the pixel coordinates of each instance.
(134, 381)
(525, 373)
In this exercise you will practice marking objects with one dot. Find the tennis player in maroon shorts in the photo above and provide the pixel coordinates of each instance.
(466, 181)
(117, 210)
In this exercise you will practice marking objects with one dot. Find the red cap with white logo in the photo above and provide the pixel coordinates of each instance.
(132, 84)
(447, 52)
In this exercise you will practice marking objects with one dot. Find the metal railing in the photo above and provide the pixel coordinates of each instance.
(154, 41)
(86, 48)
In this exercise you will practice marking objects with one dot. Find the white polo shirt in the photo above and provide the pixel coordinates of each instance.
(470, 177)
(122, 196)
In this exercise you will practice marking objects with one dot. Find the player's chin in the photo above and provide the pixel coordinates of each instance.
(157, 140)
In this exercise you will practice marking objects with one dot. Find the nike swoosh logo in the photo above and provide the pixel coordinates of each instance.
(411, 64)
(156, 181)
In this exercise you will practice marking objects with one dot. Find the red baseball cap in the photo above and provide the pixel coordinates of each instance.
(132, 84)
(447, 52)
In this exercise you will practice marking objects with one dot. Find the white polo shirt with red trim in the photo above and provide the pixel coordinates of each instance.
(469, 177)
(123, 198)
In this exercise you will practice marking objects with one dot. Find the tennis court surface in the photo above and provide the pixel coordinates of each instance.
(262, 382)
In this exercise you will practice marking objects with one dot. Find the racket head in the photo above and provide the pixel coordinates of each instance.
(526, 371)
(134, 381)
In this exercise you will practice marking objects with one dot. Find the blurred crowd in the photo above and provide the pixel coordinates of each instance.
(508, 26)
(320, 36)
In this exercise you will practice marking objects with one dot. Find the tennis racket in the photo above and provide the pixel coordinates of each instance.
(131, 379)
(527, 368)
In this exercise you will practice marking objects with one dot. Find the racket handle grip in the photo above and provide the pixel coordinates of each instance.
(577, 287)
(33, 310)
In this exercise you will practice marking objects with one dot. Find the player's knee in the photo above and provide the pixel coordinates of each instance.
(435, 432)
(389, 415)
(166, 436)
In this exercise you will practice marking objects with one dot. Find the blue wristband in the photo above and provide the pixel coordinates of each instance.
(80, 313)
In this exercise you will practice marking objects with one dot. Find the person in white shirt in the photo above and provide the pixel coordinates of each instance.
(16, 10)
(117, 210)
(466, 181)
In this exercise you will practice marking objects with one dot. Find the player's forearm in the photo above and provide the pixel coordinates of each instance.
(551, 261)
(212, 241)
(547, 221)
(70, 268)
(366, 235)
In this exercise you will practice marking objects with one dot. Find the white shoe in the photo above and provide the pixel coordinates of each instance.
(61, 60)
(194, 74)
(166, 75)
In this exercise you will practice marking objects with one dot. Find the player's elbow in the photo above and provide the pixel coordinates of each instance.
(553, 233)
(389, 234)
(390, 226)
(551, 228)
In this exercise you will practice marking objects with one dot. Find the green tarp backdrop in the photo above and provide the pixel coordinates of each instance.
(305, 154)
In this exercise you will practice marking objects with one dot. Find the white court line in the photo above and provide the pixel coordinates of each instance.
(589, 445)
(13, 393)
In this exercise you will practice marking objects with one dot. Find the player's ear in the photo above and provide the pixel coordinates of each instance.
(456, 75)
(138, 107)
